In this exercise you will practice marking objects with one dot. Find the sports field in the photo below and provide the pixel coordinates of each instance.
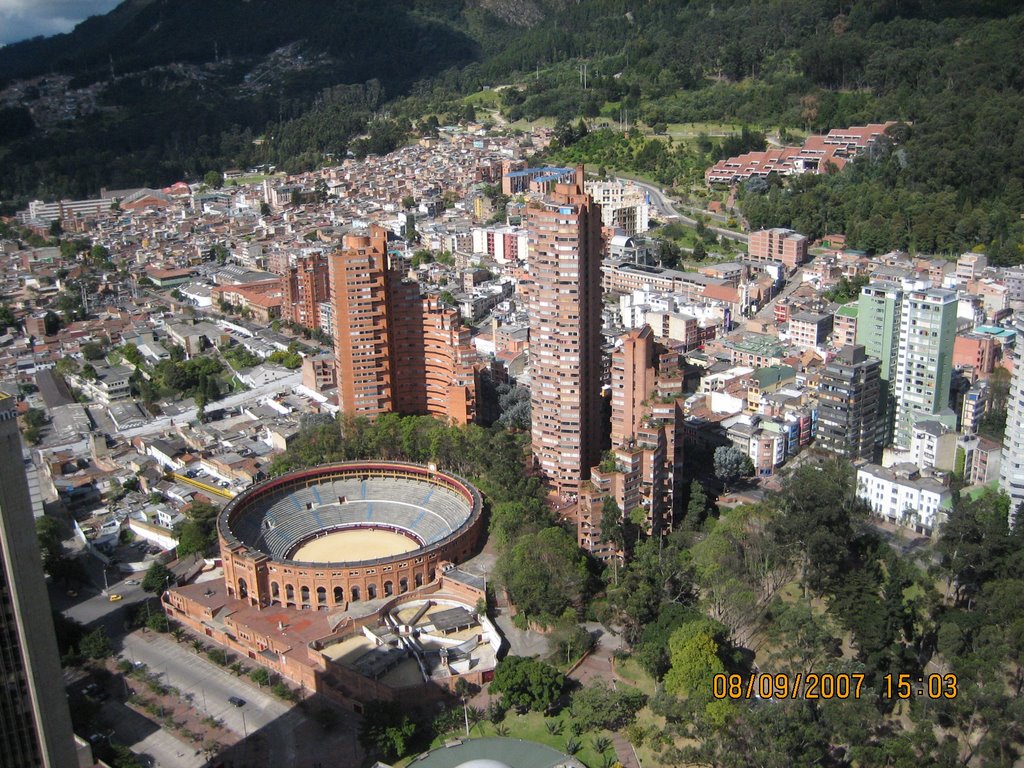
(352, 545)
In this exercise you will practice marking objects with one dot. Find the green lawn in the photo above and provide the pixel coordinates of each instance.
(255, 178)
(528, 125)
(631, 670)
(488, 99)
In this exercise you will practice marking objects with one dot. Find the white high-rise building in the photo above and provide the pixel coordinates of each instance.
(924, 364)
(1011, 471)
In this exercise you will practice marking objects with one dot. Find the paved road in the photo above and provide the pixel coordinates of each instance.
(667, 210)
(144, 737)
(598, 666)
(273, 733)
(209, 684)
(92, 607)
(767, 312)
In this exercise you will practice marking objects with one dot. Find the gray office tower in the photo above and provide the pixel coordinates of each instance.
(35, 725)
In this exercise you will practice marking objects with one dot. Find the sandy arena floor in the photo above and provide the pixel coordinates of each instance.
(349, 546)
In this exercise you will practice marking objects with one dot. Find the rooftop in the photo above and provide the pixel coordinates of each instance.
(493, 752)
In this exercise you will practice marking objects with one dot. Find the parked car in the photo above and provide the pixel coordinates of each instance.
(238, 702)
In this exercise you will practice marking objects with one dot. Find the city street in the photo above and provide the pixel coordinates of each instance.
(278, 732)
(210, 685)
(144, 737)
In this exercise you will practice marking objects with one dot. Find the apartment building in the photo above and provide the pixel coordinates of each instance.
(644, 467)
(565, 334)
(924, 366)
(975, 350)
(809, 330)
(844, 326)
(900, 495)
(395, 350)
(503, 244)
(849, 397)
(306, 287)
(623, 205)
(778, 244)
(970, 266)
(1011, 474)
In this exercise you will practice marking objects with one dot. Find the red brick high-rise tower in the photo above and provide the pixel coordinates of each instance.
(395, 349)
(306, 285)
(565, 247)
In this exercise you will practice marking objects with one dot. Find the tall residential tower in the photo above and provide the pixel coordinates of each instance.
(396, 350)
(924, 368)
(565, 333)
(35, 725)
(1011, 471)
(911, 331)
(849, 413)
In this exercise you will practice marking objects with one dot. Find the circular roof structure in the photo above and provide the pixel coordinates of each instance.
(483, 763)
(280, 517)
(495, 752)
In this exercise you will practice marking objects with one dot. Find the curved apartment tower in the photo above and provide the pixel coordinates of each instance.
(395, 349)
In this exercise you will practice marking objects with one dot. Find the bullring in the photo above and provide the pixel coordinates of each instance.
(338, 534)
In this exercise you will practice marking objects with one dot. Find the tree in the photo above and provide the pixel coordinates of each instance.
(545, 572)
(638, 519)
(695, 651)
(818, 513)
(731, 464)
(50, 545)
(386, 729)
(527, 683)
(96, 644)
(6, 318)
(93, 350)
(260, 676)
(611, 522)
(51, 323)
(157, 578)
(697, 507)
(214, 179)
(601, 706)
(699, 253)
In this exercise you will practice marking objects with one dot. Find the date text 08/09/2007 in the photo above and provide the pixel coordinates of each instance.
(831, 686)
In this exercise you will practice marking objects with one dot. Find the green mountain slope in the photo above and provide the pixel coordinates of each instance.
(196, 82)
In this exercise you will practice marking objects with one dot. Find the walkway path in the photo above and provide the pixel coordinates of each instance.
(598, 666)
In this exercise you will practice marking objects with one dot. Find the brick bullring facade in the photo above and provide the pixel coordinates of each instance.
(248, 530)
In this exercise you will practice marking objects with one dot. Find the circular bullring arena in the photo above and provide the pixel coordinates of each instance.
(324, 538)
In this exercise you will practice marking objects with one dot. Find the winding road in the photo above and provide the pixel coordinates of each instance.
(667, 210)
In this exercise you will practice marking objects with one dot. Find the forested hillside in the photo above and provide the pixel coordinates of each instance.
(953, 70)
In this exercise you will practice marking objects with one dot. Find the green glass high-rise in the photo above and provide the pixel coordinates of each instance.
(878, 330)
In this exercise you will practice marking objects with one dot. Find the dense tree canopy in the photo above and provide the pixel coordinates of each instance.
(527, 683)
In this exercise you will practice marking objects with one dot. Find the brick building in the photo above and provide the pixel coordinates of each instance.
(565, 333)
(306, 285)
(778, 244)
(395, 349)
